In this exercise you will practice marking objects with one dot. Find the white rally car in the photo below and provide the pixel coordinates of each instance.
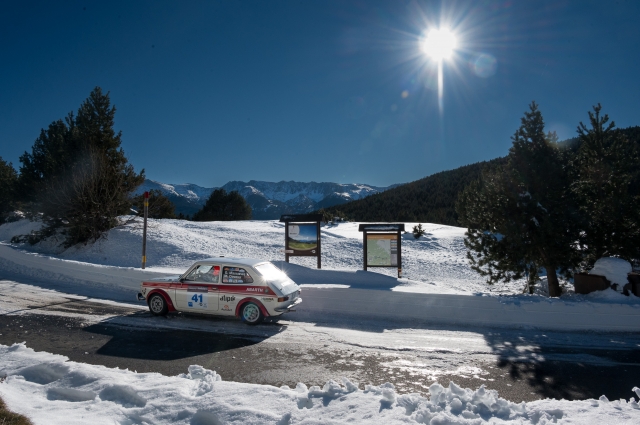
(242, 287)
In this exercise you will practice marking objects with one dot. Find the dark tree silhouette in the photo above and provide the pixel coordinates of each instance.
(77, 174)
(223, 206)
(520, 218)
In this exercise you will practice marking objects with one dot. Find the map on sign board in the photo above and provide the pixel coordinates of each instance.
(382, 250)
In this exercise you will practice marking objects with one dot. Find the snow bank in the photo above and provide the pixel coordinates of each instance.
(96, 281)
(52, 390)
(434, 292)
(614, 269)
(599, 313)
(434, 263)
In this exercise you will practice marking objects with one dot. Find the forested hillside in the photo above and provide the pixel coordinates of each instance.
(433, 198)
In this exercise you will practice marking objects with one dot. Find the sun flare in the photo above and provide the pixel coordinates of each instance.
(439, 44)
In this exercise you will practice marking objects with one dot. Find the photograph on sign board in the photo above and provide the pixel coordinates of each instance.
(382, 250)
(303, 237)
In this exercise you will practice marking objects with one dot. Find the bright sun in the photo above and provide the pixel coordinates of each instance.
(439, 44)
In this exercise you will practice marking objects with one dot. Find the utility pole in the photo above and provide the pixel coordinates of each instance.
(144, 231)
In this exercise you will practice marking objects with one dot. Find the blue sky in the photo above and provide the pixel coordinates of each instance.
(208, 92)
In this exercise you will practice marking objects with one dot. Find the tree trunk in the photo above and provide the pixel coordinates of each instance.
(531, 281)
(552, 280)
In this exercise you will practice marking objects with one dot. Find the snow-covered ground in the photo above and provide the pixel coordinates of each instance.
(435, 263)
(438, 286)
(52, 390)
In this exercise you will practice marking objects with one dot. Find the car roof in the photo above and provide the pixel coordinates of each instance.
(233, 260)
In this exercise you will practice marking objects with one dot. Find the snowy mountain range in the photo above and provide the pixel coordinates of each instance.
(268, 200)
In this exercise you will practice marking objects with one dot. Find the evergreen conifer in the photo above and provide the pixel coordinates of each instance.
(418, 231)
(520, 218)
(77, 174)
(8, 180)
(605, 170)
(159, 205)
(223, 206)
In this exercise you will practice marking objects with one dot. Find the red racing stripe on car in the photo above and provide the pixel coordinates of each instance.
(242, 289)
(234, 289)
(157, 284)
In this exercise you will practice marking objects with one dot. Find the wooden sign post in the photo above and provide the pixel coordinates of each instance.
(144, 230)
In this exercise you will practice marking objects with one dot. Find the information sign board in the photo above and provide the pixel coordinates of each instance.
(302, 236)
(382, 245)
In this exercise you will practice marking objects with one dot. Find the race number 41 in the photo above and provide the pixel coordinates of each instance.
(197, 300)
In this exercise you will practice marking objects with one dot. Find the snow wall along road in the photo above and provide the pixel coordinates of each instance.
(358, 294)
(468, 310)
(366, 295)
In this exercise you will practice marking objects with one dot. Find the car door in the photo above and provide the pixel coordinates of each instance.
(234, 287)
(199, 290)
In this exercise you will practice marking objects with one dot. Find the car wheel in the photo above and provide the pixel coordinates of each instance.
(251, 314)
(158, 305)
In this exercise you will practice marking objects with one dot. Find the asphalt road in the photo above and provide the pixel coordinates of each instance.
(118, 336)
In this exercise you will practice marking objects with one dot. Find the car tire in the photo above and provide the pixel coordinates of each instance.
(158, 305)
(251, 314)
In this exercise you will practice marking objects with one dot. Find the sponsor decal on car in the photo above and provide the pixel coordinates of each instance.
(225, 308)
(227, 298)
(267, 299)
(235, 275)
(194, 288)
(254, 290)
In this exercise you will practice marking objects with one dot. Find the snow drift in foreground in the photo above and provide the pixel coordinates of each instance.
(52, 390)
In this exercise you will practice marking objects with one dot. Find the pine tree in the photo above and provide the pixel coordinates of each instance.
(520, 218)
(159, 205)
(51, 156)
(223, 206)
(418, 231)
(605, 169)
(8, 180)
(77, 174)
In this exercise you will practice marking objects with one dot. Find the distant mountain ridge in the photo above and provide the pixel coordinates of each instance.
(268, 200)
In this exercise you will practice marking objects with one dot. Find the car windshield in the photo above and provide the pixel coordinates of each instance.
(270, 272)
(204, 273)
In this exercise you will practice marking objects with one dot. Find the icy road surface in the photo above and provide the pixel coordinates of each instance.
(521, 365)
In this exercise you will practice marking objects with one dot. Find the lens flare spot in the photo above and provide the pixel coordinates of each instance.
(485, 65)
(405, 94)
